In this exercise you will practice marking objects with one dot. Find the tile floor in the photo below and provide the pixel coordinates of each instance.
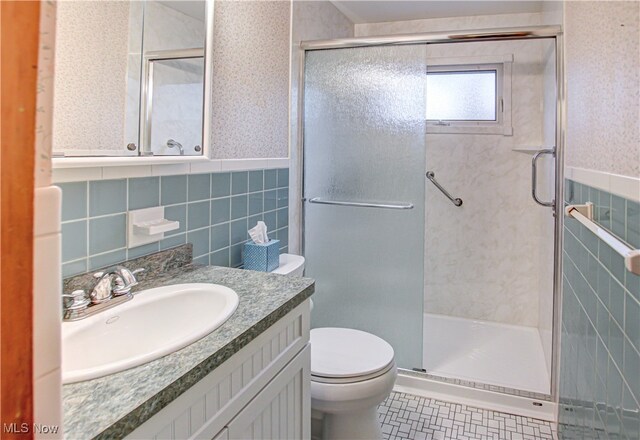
(405, 416)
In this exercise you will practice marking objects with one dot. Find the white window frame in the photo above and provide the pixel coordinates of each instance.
(502, 65)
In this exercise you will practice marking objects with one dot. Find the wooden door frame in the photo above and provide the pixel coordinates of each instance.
(19, 39)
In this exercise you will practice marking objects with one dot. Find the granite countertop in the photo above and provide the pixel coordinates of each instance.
(114, 405)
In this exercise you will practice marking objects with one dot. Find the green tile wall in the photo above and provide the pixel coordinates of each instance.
(600, 338)
(215, 211)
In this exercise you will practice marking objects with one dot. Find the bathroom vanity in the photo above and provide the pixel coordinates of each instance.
(247, 379)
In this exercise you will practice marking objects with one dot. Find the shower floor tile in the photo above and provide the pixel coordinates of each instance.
(404, 416)
(491, 353)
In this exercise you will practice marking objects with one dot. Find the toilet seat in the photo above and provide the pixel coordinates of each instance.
(353, 379)
(342, 355)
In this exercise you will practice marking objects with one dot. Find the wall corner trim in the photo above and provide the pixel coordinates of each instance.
(627, 187)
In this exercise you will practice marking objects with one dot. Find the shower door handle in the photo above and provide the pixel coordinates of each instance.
(534, 176)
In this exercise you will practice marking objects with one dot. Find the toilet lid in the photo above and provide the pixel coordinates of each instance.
(345, 352)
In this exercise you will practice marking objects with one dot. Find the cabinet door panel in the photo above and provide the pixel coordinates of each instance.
(282, 410)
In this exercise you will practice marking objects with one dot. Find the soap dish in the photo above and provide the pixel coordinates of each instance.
(147, 226)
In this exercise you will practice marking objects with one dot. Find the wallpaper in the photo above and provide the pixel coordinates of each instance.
(44, 99)
(603, 86)
(251, 79)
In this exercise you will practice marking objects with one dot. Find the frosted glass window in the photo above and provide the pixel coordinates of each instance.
(462, 95)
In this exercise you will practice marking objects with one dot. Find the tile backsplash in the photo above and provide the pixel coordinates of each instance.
(600, 339)
(215, 210)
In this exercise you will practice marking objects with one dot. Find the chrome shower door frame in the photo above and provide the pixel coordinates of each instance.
(518, 33)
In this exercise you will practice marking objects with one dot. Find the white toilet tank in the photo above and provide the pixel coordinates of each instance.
(290, 265)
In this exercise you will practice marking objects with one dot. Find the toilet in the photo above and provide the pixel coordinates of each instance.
(352, 372)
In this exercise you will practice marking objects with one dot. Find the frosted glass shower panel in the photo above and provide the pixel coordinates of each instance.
(364, 142)
(462, 96)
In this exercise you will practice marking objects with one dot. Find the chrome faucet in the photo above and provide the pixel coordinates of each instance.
(175, 144)
(112, 288)
(115, 281)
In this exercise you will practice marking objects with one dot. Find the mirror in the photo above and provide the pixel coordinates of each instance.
(129, 78)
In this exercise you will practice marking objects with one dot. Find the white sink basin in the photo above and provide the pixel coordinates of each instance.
(154, 323)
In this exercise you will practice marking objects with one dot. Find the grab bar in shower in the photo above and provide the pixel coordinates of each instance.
(432, 177)
(584, 214)
(321, 201)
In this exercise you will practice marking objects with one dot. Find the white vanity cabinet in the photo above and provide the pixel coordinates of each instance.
(261, 392)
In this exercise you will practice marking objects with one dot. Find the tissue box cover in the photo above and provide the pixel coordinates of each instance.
(263, 257)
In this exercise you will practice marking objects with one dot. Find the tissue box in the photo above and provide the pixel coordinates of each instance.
(263, 257)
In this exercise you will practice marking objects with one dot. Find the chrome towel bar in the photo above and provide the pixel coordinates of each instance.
(584, 214)
(432, 177)
(321, 201)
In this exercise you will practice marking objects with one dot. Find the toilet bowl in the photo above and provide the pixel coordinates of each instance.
(352, 372)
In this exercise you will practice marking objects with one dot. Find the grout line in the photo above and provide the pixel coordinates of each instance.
(599, 261)
(595, 327)
(90, 217)
(87, 217)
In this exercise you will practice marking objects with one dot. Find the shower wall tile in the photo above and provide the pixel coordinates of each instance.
(107, 259)
(198, 215)
(256, 180)
(74, 206)
(270, 179)
(173, 241)
(144, 192)
(176, 213)
(199, 187)
(220, 185)
(173, 189)
(256, 203)
(107, 233)
(74, 240)
(216, 222)
(220, 210)
(107, 197)
(600, 336)
(239, 182)
(238, 207)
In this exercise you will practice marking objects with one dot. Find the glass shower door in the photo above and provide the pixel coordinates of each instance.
(364, 164)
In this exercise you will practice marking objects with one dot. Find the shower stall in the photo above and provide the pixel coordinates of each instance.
(431, 170)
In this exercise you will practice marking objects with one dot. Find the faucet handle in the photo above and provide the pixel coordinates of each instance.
(80, 301)
(125, 280)
(128, 276)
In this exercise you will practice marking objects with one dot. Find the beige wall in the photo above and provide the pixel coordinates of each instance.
(44, 100)
(602, 50)
(251, 79)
